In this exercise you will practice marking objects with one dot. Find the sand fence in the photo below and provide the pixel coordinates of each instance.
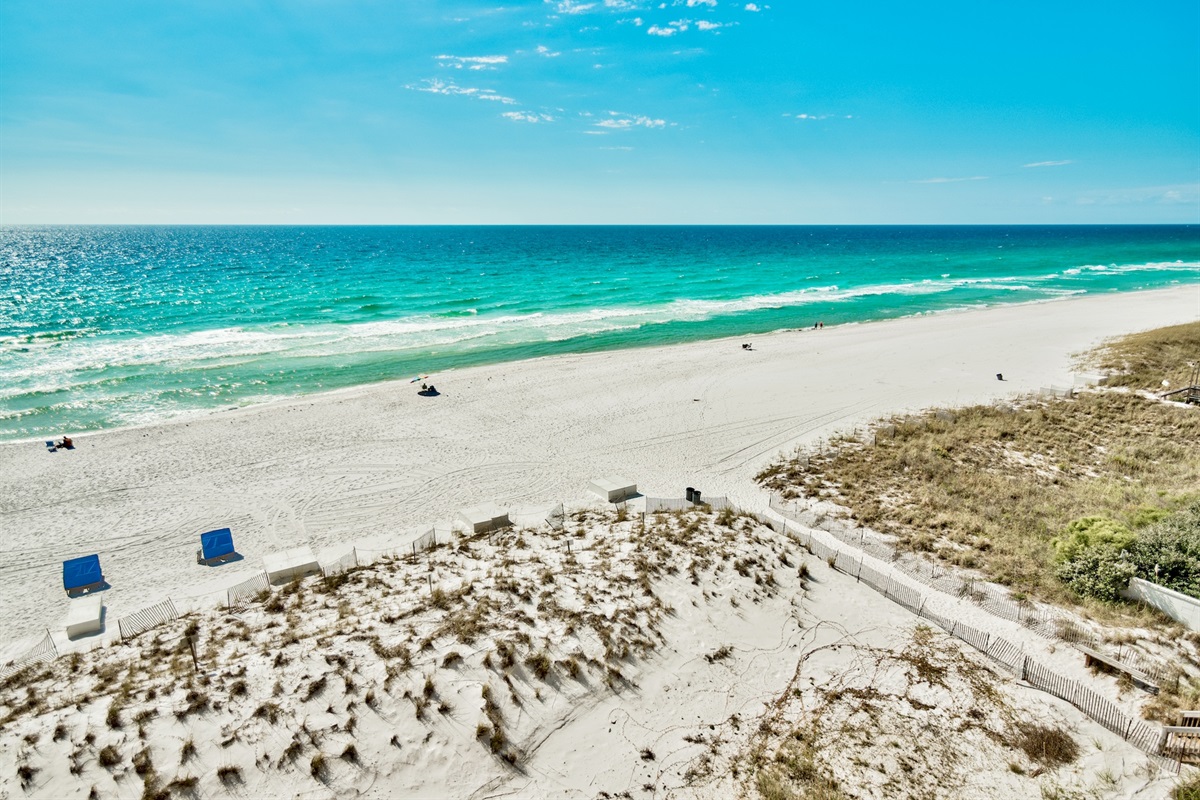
(655, 505)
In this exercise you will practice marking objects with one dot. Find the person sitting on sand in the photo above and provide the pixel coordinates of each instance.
(66, 442)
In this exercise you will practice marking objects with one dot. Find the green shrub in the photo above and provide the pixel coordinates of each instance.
(1091, 532)
(1098, 572)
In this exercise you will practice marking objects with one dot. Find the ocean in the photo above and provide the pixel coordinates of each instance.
(112, 326)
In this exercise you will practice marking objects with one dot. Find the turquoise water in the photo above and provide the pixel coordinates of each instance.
(112, 326)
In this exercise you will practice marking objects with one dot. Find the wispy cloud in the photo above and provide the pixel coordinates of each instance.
(815, 117)
(571, 6)
(705, 25)
(542, 50)
(755, 7)
(616, 121)
(471, 62)
(672, 28)
(437, 86)
(951, 180)
(1048, 163)
(521, 116)
(694, 3)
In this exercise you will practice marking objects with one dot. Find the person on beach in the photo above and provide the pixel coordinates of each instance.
(66, 442)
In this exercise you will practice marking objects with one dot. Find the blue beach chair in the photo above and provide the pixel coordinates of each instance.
(216, 547)
(83, 575)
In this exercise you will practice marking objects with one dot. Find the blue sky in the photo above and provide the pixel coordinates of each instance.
(598, 111)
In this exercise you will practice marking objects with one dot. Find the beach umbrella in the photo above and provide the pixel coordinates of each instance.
(419, 378)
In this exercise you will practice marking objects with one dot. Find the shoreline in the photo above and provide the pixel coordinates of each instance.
(197, 414)
(373, 460)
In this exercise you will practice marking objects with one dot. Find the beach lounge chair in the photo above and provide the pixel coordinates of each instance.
(216, 547)
(83, 575)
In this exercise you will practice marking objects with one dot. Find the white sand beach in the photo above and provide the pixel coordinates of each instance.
(377, 461)
(677, 657)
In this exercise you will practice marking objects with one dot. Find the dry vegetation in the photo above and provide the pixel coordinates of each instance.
(991, 486)
(317, 674)
(1145, 360)
(865, 731)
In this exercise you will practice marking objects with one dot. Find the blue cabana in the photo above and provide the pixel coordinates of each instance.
(216, 546)
(80, 574)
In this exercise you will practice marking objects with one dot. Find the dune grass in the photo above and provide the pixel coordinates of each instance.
(989, 487)
(1145, 360)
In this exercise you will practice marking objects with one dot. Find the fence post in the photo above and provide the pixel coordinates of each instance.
(1024, 659)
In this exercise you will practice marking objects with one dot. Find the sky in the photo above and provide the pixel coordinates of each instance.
(599, 112)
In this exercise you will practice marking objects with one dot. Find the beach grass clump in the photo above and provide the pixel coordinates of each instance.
(1188, 788)
(109, 756)
(319, 767)
(229, 775)
(1048, 745)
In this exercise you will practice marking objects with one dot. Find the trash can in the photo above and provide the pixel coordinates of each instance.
(690, 493)
(696, 497)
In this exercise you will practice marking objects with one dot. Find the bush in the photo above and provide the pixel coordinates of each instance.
(1098, 572)
(1091, 532)
(1097, 556)
(1168, 552)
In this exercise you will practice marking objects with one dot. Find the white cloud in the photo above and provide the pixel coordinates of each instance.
(521, 116)
(815, 117)
(705, 25)
(571, 6)
(471, 62)
(694, 3)
(1048, 163)
(623, 122)
(437, 86)
(671, 28)
(755, 7)
(951, 180)
(542, 50)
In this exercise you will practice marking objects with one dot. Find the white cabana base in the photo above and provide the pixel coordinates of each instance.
(487, 517)
(613, 489)
(291, 563)
(85, 616)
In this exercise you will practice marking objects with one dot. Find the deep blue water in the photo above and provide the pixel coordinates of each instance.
(110, 326)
